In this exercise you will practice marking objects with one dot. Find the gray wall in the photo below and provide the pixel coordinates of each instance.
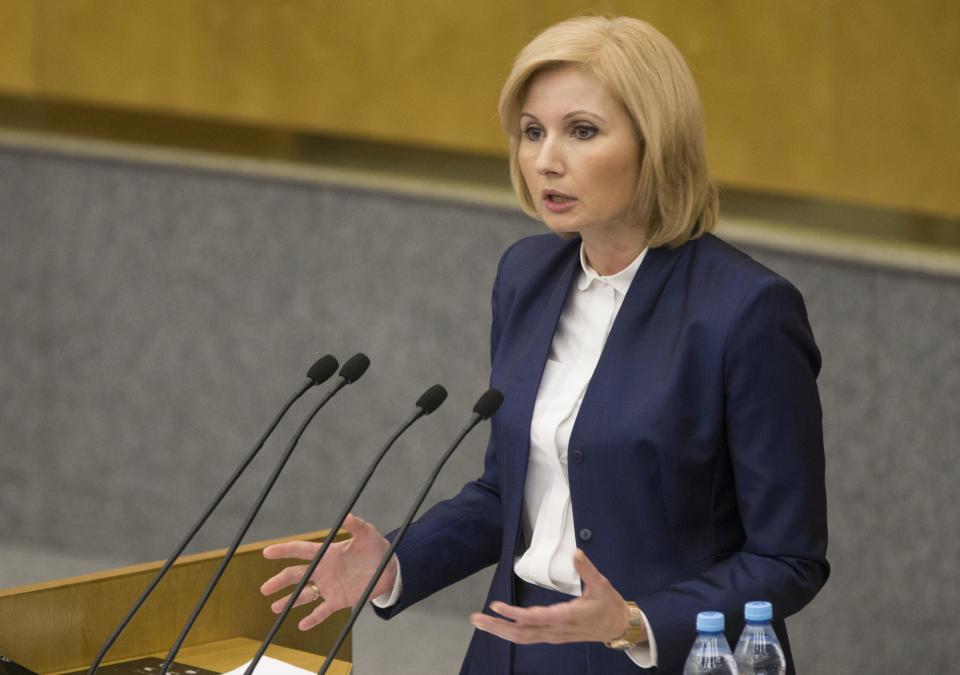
(153, 319)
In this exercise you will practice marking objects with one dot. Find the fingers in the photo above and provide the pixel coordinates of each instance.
(301, 550)
(319, 614)
(595, 585)
(344, 571)
(306, 597)
(533, 616)
(595, 616)
(522, 631)
(610, 616)
(352, 522)
(588, 572)
(277, 605)
(358, 527)
(289, 576)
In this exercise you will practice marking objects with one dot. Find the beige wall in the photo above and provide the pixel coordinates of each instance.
(843, 99)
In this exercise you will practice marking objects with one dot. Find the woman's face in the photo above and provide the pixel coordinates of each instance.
(578, 153)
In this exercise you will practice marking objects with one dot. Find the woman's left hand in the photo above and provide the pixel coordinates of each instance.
(599, 615)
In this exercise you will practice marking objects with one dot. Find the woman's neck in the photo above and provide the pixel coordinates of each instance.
(609, 255)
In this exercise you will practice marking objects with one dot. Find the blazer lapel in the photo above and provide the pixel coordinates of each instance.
(638, 307)
(529, 371)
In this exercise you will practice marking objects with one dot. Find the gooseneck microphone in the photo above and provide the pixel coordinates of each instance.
(322, 369)
(429, 401)
(485, 407)
(352, 370)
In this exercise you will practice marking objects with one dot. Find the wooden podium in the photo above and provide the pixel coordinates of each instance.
(59, 626)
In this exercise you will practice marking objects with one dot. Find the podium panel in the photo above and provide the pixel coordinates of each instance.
(59, 626)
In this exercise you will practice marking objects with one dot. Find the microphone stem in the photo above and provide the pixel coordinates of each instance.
(196, 528)
(341, 382)
(474, 419)
(418, 413)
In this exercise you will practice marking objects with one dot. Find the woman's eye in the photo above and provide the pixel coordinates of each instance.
(533, 133)
(584, 131)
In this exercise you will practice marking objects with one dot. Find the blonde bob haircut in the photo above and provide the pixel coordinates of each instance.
(675, 198)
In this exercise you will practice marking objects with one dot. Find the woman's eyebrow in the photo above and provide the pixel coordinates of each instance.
(574, 113)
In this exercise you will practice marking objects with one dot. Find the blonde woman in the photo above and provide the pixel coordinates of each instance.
(659, 451)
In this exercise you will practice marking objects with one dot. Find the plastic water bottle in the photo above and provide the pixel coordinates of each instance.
(710, 654)
(758, 650)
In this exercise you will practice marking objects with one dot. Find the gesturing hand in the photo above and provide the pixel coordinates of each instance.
(600, 614)
(341, 576)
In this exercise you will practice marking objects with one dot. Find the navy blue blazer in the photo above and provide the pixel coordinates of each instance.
(696, 463)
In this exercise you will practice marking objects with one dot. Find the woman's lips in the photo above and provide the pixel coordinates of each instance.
(557, 202)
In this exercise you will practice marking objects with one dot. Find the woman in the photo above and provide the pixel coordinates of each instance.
(659, 452)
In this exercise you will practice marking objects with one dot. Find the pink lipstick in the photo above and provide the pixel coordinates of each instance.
(557, 202)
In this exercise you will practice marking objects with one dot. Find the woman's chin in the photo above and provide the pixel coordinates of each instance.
(565, 229)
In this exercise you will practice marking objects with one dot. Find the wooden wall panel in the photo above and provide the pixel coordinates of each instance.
(17, 43)
(413, 71)
(840, 99)
(898, 104)
(769, 108)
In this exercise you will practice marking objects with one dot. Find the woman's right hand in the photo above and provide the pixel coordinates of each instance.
(342, 575)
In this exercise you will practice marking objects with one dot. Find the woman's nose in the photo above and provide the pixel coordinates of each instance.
(550, 158)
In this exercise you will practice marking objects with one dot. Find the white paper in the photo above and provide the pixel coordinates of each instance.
(268, 666)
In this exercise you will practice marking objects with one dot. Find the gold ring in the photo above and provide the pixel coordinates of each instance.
(316, 592)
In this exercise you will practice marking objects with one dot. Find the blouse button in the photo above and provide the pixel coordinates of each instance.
(586, 534)
(577, 456)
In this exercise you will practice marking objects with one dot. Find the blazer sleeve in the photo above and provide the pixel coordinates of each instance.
(457, 536)
(775, 442)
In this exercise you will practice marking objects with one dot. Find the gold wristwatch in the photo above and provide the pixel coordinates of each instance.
(636, 631)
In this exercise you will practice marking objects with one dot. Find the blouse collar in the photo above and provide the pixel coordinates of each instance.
(620, 281)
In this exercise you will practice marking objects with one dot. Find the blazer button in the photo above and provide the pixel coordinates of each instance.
(577, 456)
(586, 534)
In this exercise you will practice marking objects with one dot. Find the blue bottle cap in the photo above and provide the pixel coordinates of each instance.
(710, 622)
(758, 611)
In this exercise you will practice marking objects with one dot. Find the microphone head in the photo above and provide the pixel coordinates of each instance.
(355, 366)
(322, 369)
(488, 403)
(432, 398)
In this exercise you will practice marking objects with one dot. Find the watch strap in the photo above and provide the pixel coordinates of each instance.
(636, 630)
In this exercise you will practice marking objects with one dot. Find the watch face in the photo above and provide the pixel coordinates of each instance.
(8, 667)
